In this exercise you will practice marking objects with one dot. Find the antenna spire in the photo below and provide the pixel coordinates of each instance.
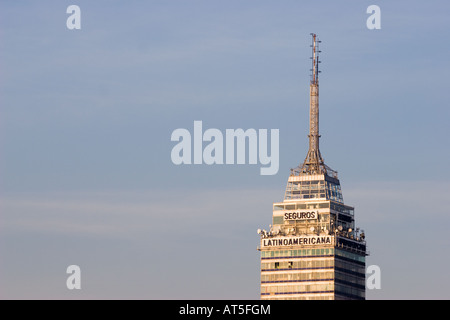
(314, 163)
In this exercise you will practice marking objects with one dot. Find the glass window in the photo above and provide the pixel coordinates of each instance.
(278, 220)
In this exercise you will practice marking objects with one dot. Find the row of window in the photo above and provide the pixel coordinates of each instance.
(355, 273)
(351, 279)
(297, 264)
(305, 196)
(343, 209)
(328, 196)
(297, 288)
(298, 186)
(298, 276)
(313, 184)
(322, 218)
(353, 267)
(316, 190)
(309, 182)
(297, 253)
(307, 190)
(296, 206)
(316, 288)
(350, 255)
(361, 293)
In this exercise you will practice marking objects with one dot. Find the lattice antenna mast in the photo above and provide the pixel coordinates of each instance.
(313, 163)
(315, 59)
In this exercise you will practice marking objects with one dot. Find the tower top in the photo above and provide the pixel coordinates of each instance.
(314, 163)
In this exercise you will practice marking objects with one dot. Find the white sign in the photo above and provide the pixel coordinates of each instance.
(300, 215)
(296, 241)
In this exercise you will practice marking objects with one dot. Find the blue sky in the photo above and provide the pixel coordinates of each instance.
(86, 118)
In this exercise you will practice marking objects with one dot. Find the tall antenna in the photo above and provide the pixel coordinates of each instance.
(313, 163)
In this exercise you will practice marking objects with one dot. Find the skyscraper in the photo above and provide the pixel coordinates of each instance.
(313, 249)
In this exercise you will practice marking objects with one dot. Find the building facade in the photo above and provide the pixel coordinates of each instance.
(313, 249)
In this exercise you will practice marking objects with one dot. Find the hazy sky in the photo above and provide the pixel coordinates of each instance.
(86, 117)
